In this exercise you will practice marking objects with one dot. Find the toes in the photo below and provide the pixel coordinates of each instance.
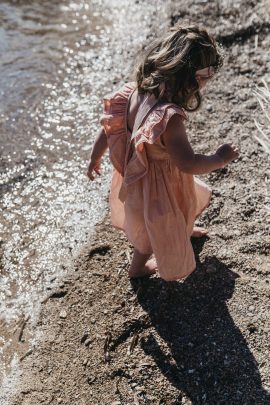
(199, 232)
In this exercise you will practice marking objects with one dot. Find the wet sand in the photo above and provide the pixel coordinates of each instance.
(47, 209)
(205, 340)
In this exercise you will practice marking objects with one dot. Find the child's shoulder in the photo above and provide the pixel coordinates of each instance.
(156, 123)
(122, 92)
(166, 110)
(115, 102)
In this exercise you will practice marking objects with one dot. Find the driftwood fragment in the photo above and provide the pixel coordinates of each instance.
(133, 343)
(30, 351)
(107, 343)
(22, 328)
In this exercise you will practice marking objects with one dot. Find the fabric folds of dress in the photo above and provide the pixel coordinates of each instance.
(151, 199)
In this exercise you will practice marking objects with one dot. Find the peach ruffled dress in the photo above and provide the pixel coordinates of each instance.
(150, 198)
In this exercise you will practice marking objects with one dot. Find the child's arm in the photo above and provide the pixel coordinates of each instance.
(182, 154)
(99, 148)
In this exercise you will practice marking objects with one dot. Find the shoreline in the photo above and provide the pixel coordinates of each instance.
(204, 340)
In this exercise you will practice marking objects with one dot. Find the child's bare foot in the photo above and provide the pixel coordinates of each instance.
(149, 268)
(199, 232)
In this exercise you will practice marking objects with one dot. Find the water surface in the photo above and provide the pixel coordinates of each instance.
(57, 61)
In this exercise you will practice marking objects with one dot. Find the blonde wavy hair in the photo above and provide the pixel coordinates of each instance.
(168, 66)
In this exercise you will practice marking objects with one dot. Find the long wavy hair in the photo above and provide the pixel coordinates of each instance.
(169, 64)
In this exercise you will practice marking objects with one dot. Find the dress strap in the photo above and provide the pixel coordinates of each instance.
(144, 109)
(149, 101)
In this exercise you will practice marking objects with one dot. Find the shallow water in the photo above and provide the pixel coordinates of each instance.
(57, 60)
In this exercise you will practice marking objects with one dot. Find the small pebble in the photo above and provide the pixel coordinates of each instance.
(251, 327)
(84, 337)
(211, 269)
(87, 342)
(91, 379)
(63, 314)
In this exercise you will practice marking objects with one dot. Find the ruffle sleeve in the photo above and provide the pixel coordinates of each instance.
(156, 123)
(113, 121)
(150, 132)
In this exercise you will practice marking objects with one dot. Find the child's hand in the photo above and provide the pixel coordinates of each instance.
(93, 166)
(228, 152)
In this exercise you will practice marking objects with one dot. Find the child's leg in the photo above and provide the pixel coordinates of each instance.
(141, 266)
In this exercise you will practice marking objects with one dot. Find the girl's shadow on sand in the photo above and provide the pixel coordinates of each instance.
(209, 358)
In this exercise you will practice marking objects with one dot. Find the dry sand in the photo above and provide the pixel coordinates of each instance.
(204, 340)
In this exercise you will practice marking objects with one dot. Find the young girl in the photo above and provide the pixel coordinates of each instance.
(154, 196)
